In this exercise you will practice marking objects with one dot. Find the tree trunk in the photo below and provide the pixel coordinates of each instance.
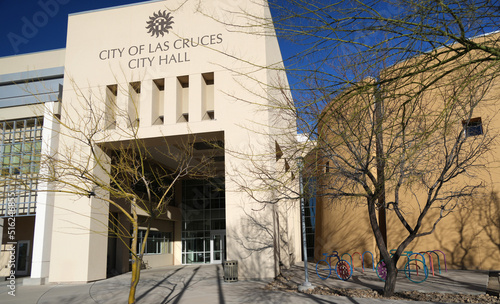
(137, 256)
(379, 150)
(136, 261)
(390, 281)
(136, 273)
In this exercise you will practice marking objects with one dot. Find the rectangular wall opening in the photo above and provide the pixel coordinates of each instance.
(208, 96)
(473, 127)
(133, 109)
(158, 96)
(183, 98)
(110, 104)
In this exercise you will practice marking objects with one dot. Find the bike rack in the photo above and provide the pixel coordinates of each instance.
(430, 258)
(342, 256)
(363, 260)
(340, 263)
(405, 254)
(444, 256)
(419, 257)
(416, 253)
(438, 261)
(333, 254)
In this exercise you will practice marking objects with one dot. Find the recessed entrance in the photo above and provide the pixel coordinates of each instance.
(203, 221)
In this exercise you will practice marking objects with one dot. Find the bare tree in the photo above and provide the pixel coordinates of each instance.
(390, 92)
(427, 157)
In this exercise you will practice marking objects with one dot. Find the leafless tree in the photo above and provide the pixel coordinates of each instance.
(389, 92)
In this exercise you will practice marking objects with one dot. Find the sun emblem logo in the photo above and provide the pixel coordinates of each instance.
(160, 23)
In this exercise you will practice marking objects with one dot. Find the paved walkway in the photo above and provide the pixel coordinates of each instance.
(451, 281)
(204, 284)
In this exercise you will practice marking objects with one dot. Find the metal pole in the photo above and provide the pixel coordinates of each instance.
(305, 285)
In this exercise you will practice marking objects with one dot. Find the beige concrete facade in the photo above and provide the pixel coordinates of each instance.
(198, 78)
(29, 88)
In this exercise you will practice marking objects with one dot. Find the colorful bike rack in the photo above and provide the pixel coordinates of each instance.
(342, 268)
(416, 267)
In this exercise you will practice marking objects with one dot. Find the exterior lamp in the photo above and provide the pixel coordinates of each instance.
(306, 285)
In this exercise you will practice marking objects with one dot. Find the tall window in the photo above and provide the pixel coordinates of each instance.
(310, 214)
(157, 242)
(20, 151)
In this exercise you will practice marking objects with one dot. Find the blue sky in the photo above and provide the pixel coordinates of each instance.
(28, 26)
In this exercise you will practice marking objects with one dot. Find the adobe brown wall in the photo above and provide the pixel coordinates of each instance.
(469, 236)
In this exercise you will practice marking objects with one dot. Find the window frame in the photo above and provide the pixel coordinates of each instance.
(161, 237)
(473, 127)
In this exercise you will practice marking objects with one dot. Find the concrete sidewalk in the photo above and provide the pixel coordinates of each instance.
(204, 284)
(473, 282)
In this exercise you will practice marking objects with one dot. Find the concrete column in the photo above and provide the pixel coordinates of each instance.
(177, 243)
(122, 104)
(80, 226)
(146, 103)
(40, 263)
(195, 97)
(170, 101)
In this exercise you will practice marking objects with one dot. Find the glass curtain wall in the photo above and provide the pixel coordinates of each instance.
(203, 211)
(20, 152)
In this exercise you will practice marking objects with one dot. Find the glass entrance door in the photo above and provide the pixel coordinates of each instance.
(22, 258)
(217, 246)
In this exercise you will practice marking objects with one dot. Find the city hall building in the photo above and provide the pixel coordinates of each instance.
(167, 74)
